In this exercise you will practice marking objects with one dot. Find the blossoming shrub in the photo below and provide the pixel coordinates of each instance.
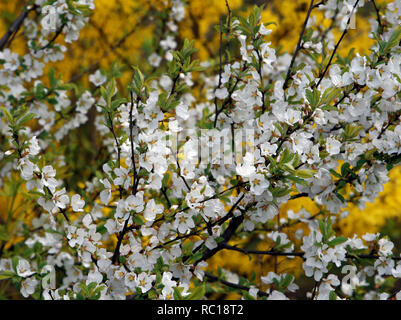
(136, 38)
(196, 158)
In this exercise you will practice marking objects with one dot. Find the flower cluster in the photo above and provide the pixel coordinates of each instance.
(198, 156)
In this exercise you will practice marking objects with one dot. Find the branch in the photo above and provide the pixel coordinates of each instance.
(55, 36)
(378, 15)
(220, 72)
(337, 45)
(213, 278)
(287, 79)
(16, 25)
(299, 254)
(116, 254)
(131, 127)
(264, 252)
(227, 234)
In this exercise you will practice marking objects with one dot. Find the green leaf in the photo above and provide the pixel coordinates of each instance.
(103, 92)
(26, 118)
(4, 235)
(322, 227)
(52, 77)
(7, 114)
(247, 296)
(339, 196)
(197, 294)
(337, 241)
(138, 220)
(6, 275)
(194, 258)
(286, 281)
(393, 41)
(329, 94)
(313, 97)
(177, 293)
(187, 248)
(297, 180)
(286, 156)
(345, 168)
(14, 262)
(305, 173)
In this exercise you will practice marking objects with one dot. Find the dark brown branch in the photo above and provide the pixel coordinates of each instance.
(220, 71)
(163, 189)
(379, 22)
(96, 64)
(298, 254)
(228, 233)
(116, 254)
(131, 128)
(337, 45)
(264, 252)
(213, 278)
(15, 26)
(55, 36)
(289, 72)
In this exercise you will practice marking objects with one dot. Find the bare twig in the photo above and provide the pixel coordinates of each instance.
(378, 15)
(213, 278)
(337, 45)
(288, 77)
(15, 26)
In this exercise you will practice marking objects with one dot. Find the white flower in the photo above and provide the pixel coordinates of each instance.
(174, 126)
(183, 222)
(370, 236)
(154, 60)
(258, 183)
(75, 236)
(87, 220)
(396, 272)
(268, 54)
(247, 169)
(105, 195)
(34, 148)
(268, 149)
(135, 202)
(253, 292)
(48, 180)
(24, 268)
(221, 93)
(123, 177)
(277, 295)
(97, 78)
(77, 203)
(385, 247)
(333, 146)
(28, 287)
(144, 281)
(61, 199)
(264, 31)
(152, 209)
(131, 280)
(167, 281)
(27, 168)
(10, 58)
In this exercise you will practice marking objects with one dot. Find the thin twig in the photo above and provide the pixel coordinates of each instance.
(213, 278)
(220, 71)
(287, 79)
(337, 45)
(378, 15)
(15, 26)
